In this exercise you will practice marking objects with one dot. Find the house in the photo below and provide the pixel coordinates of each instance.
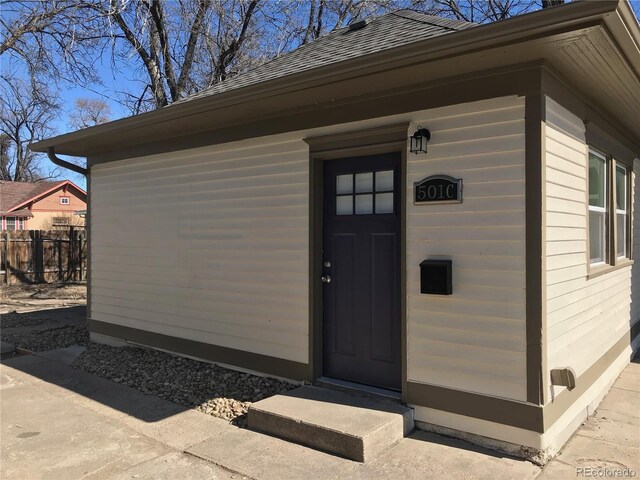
(40, 205)
(423, 205)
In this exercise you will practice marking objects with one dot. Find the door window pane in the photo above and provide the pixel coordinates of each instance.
(344, 205)
(364, 204)
(597, 180)
(355, 193)
(384, 203)
(364, 183)
(384, 181)
(344, 184)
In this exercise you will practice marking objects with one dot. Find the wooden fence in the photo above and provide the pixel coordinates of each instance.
(43, 256)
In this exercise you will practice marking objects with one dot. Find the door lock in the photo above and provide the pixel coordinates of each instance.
(326, 279)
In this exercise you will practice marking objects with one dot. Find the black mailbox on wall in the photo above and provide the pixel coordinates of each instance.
(435, 277)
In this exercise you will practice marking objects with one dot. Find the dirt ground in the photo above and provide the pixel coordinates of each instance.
(30, 297)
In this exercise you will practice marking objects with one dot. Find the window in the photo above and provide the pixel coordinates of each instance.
(622, 211)
(64, 200)
(597, 208)
(365, 193)
(609, 207)
(11, 223)
(60, 221)
(20, 223)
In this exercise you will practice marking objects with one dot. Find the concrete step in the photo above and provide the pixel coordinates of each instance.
(352, 426)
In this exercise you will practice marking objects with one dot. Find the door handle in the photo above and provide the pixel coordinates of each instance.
(326, 279)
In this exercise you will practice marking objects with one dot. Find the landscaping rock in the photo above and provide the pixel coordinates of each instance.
(31, 319)
(208, 388)
(44, 291)
(44, 340)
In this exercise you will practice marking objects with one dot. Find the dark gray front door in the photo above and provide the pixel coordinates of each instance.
(361, 254)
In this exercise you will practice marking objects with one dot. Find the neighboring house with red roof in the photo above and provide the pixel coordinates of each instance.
(41, 205)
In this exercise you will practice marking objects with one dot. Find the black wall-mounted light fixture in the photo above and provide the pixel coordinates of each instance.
(419, 140)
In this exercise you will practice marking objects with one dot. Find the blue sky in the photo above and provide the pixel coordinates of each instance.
(113, 83)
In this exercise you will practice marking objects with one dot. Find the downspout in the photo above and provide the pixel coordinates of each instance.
(51, 153)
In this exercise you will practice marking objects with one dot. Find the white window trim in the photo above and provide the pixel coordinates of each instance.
(62, 200)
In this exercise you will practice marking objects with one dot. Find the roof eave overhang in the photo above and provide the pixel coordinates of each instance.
(616, 16)
(23, 213)
(623, 27)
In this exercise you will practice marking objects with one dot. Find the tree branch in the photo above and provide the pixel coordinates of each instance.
(146, 57)
(194, 34)
(228, 55)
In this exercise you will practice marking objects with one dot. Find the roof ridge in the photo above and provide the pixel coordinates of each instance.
(436, 22)
(300, 47)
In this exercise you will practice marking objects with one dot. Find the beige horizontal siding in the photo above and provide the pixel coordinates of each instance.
(584, 317)
(209, 245)
(473, 340)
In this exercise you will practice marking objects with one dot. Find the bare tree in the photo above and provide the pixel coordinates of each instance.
(5, 144)
(48, 42)
(89, 112)
(56, 38)
(325, 16)
(26, 115)
(483, 11)
(172, 41)
(551, 3)
(231, 38)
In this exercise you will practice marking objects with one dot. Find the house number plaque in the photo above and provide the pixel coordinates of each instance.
(438, 189)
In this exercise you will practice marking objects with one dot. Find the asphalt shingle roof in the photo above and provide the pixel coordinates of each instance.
(13, 194)
(382, 33)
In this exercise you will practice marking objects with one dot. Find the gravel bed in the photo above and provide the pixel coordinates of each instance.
(43, 340)
(208, 388)
(31, 319)
(45, 291)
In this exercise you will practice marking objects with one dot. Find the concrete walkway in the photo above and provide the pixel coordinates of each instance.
(607, 442)
(60, 423)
